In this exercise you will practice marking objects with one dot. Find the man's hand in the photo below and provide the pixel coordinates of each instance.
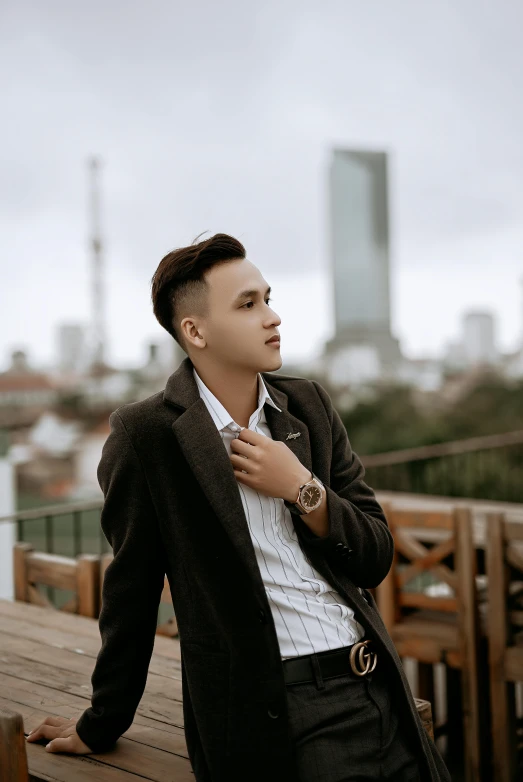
(62, 734)
(267, 465)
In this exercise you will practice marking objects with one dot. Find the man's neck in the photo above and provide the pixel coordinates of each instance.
(237, 391)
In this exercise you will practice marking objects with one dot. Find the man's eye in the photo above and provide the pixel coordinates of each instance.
(251, 302)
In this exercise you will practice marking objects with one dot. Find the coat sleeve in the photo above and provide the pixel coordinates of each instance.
(132, 587)
(359, 539)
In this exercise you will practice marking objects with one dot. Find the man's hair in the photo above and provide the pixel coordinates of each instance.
(179, 287)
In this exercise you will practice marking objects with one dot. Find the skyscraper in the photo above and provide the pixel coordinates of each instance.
(359, 233)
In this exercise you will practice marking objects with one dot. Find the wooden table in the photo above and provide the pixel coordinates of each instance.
(46, 661)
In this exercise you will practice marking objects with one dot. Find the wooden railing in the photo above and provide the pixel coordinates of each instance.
(67, 530)
(72, 530)
(488, 468)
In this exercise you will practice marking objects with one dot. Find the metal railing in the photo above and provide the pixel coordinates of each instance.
(67, 529)
(489, 468)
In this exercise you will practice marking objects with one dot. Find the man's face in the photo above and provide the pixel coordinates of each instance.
(238, 326)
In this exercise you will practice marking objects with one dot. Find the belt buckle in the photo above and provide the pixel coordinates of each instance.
(362, 660)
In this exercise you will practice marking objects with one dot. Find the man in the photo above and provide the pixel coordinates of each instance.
(241, 485)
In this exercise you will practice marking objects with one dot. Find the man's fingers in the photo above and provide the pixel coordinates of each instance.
(61, 745)
(45, 731)
(50, 720)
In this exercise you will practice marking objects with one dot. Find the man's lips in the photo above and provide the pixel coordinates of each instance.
(272, 339)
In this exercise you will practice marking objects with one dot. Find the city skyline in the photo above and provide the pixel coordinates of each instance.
(238, 141)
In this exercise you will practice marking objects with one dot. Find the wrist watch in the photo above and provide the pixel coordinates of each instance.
(310, 497)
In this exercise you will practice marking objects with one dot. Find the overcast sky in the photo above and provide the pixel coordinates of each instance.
(220, 116)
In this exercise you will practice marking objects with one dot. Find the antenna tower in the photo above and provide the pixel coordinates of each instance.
(97, 267)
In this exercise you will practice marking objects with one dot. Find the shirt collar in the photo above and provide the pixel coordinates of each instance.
(219, 414)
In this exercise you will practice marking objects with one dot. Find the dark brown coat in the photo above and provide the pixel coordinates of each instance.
(172, 506)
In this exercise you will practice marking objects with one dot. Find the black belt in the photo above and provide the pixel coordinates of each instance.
(358, 659)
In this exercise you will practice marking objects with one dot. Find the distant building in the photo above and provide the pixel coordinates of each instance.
(454, 356)
(476, 345)
(512, 364)
(354, 365)
(24, 393)
(72, 347)
(87, 458)
(479, 344)
(425, 374)
(362, 346)
(170, 354)
(153, 375)
(106, 387)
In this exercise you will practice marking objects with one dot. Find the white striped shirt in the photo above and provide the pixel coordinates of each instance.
(309, 615)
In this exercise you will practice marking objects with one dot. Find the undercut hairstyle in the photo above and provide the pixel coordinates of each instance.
(178, 286)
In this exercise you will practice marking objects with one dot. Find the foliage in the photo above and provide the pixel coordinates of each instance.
(393, 421)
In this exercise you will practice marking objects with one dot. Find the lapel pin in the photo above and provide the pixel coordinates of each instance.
(292, 436)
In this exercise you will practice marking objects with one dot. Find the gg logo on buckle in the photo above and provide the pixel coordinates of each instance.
(362, 662)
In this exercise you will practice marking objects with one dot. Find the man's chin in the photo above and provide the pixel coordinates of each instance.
(273, 364)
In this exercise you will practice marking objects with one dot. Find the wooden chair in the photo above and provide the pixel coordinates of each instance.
(13, 752)
(168, 628)
(505, 640)
(424, 709)
(80, 575)
(438, 622)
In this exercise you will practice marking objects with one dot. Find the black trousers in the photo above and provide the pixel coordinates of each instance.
(345, 729)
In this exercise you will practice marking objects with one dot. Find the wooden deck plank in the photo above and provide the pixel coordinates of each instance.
(175, 744)
(162, 752)
(159, 670)
(36, 662)
(48, 767)
(24, 628)
(63, 767)
(45, 669)
(75, 625)
(32, 693)
(144, 730)
(160, 697)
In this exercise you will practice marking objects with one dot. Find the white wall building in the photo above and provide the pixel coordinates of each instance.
(479, 343)
(72, 347)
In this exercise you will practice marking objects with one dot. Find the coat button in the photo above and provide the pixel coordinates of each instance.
(261, 616)
(340, 546)
(273, 713)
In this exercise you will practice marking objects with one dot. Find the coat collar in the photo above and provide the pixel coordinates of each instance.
(217, 411)
(202, 447)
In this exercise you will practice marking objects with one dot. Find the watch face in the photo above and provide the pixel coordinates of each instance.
(310, 496)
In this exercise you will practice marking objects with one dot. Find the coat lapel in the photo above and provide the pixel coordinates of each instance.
(203, 449)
